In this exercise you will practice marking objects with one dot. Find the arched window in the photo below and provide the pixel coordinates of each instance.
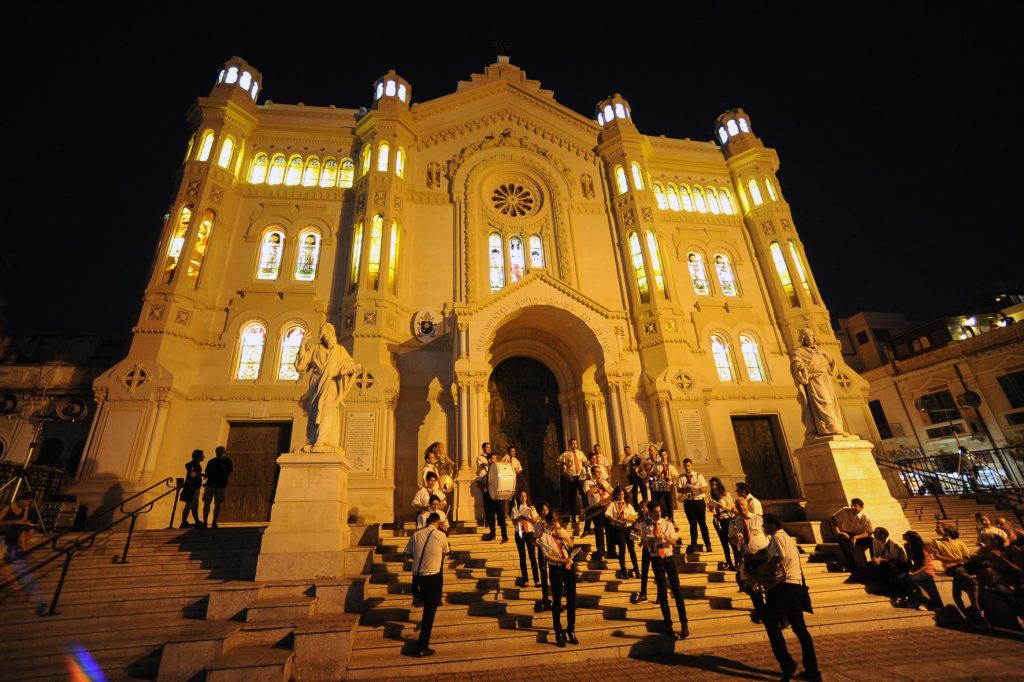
(259, 168)
(232, 75)
(659, 196)
(393, 259)
(723, 135)
(389, 89)
(177, 243)
(673, 199)
(357, 254)
(383, 156)
(733, 130)
(205, 147)
(220, 78)
(308, 257)
(609, 113)
(751, 358)
(250, 351)
(755, 192)
(744, 126)
(620, 180)
(496, 262)
(245, 81)
(638, 179)
(720, 352)
(293, 175)
(698, 274)
(329, 175)
(684, 196)
(188, 151)
(726, 278)
(536, 252)
(655, 255)
(516, 258)
(783, 270)
(311, 176)
(200, 246)
(277, 166)
(227, 148)
(379, 91)
(637, 253)
(402, 91)
(801, 272)
(620, 110)
(291, 342)
(698, 199)
(271, 250)
(255, 89)
(713, 201)
(400, 163)
(376, 239)
(347, 172)
(364, 160)
(771, 189)
(727, 207)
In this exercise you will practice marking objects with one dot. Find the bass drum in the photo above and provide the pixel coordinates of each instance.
(501, 481)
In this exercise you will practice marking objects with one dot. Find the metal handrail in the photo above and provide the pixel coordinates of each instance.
(904, 469)
(69, 551)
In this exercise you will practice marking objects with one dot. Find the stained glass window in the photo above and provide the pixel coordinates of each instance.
(636, 251)
(751, 358)
(755, 192)
(311, 176)
(227, 148)
(400, 163)
(293, 175)
(200, 246)
(713, 201)
(271, 251)
(364, 160)
(800, 271)
(698, 274)
(177, 243)
(536, 252)
(684, 195)
(258, 171)
(277, 166)
(723, 135)
(389, 89)
(659, 196)
(250, 353)
(232, 75)
(771, 189)
(733, 130)
(357, 254)
(496, 262)
(620, 180)
(308, 257)
(376, 238)
(347, 173)
(655, 255)
(329, 175)
(383, 155)
(720, 352)
(638, 179)
(726, 278)
(291, 342)
(516, 258)
(726, 200)
(780, 266)
(206, 146)
(393, 259)
(673, 198)
(698, 199)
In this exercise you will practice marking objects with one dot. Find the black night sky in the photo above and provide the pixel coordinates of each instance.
(898, 129)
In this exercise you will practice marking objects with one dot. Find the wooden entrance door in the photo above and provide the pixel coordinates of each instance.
(761, 455)
(254, 448)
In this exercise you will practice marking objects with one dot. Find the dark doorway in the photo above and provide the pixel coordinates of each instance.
(762, 457)
(253, 448)
(524, 412)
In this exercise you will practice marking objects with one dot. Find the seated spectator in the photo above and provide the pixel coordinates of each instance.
(949, 550)
(853, 529)
(888, 561)
(1003, 571)
(919, 580)
(985, 528)
(1014, 536)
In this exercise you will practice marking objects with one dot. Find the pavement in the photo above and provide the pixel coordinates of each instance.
(933, 653)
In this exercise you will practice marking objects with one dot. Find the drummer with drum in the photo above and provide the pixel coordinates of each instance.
(497, 483)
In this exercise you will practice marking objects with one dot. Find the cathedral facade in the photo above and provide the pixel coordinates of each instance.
(503, 268)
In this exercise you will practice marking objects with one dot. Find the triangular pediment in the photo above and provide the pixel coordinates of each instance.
(540, 288)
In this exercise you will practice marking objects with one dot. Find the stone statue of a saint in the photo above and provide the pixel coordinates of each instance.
(331, 371)
(813, 371)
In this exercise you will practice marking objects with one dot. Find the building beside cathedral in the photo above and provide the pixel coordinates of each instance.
(504, 269)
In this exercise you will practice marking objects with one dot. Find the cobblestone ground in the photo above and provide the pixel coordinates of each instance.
(910, 654)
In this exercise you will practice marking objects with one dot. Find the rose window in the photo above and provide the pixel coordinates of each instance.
(513, 200)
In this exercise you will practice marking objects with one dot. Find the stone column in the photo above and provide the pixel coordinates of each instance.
(589, 405)
(665, 420)
(155, 436)
(616, 425)
(464, 448)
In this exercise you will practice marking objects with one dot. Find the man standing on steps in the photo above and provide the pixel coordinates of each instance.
(190, 489)
(494, 510)
(556, 546)
(217, 471)
(427, 548)
(692, 488)
(573, 466)
(659, 536)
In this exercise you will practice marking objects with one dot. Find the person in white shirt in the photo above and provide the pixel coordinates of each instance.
(853, 529)
(663, 477)
(659, 536)
(621, 516)
(429, 465)
(750, 542)
(888, 560)
(635, 469)
(556, 544)
(753, 504)
(594, 464)
(422, 499)
(524, 516)
(494, 510)
(724, 509)
(435, 508)
(599, 491)
(517, 467)
(427, 548)
(573, 466)
(692, 489)
(785, 602)
(602, 459)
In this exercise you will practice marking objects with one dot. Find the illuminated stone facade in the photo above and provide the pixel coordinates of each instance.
(618, 258)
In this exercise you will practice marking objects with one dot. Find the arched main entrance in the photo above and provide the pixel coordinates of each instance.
(524, 412)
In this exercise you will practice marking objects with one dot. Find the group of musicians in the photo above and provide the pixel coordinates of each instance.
(619, 516)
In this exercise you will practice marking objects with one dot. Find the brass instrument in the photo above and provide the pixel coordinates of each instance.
(758, 573)
(636, 467)
(445, 473)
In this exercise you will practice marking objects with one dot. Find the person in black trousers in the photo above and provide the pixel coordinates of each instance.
(494, 510)
(660, 538)
(427, 548)
(645, 557)
(556, 544)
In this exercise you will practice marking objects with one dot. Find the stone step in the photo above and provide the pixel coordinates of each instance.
(95, 592)
(131, 575)
(26, 616)
(30, 636)
(275, 609)
(252, 664)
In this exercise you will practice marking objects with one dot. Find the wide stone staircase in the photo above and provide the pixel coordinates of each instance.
(114, 618)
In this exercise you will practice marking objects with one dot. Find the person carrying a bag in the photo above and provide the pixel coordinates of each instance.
(788, 600)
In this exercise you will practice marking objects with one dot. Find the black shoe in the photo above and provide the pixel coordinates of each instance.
(504, 540)
(668, 632)
(213, 526)
(613, 555)
(809, 676)
(571, 636)
(635, 598)
(635, 573)
(560, 640)
(787, 671)
(690, 549)
(423, 653)
(185, 524)
(520, 582)
(597, 556)
(489, 537)
(684, 631)
(755, 617)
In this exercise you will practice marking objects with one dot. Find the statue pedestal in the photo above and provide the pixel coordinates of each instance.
(308, 535)
(468, 494)
(838, 468)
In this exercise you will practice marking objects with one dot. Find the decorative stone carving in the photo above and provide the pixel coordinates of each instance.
(670, 324)
(330, 369)
(360, 203)
(628, 218)
(182, 317)
(647, 214)
(398, 204)
(786, 225)
(505, 138)
(427, 325)
(216, 194)
(364, 381)
(192, 189)
(650, 327)
(813, 370)
(434, 175)
(844, 381)
(370, 317)
(513, 200)
(587, 186)
(378, 198)
(684, 382)
(134, 378)
(769, 227)
(155, 312)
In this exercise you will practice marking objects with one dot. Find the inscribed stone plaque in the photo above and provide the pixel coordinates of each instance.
(695, 442)
(360, 439)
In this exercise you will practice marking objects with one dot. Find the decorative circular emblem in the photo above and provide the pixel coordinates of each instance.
(513, 200)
